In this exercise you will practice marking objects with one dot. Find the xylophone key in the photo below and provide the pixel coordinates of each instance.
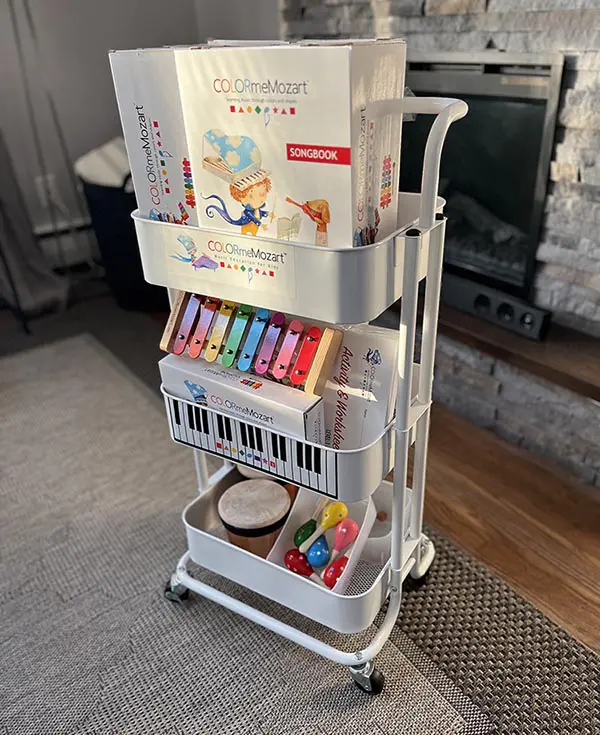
(305, 356)
(218, 331)
(188, 323)
(207, 313)
(236, 334)
(253, 339)
(288, 347)
(269, 344)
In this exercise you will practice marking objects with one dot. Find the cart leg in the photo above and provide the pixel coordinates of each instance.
(368, 678)
(424, 558)
(174, 591)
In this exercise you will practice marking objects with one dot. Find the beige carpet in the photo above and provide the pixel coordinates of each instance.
(91, 491)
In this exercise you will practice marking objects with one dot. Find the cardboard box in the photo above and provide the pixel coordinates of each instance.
(244, 396)
(285, 141)
(360, 398)
(150, 108)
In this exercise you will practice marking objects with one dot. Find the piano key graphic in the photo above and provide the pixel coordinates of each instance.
(264, 449)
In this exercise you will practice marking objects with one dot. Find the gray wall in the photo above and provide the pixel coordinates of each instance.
(74, 38)
(244, 19)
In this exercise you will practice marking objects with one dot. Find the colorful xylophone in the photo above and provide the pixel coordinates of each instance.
(252, 340)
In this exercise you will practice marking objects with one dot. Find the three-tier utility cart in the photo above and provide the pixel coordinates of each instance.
(343, 286)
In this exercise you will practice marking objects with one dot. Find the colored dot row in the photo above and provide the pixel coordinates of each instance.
(188, 184)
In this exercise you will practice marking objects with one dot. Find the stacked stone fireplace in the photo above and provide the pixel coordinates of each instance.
(524, 409)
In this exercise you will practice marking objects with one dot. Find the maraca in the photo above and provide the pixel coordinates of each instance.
(298, 563)
(334, 571)
(345, 534)
(318, 554)
(307, 529)
(332, 515)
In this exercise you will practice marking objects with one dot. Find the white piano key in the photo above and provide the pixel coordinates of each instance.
(237, 442)
(204, 422)
(190, 421)
(331, 470)
(263, 448)
(319, 465)
(213, 432)
(175, 433)
(226, 440)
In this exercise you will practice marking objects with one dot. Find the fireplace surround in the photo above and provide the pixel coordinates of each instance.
(567, 276)
(496, 164)
(525, 409)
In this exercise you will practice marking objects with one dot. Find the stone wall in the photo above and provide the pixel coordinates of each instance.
(568, 276)
(525, 410)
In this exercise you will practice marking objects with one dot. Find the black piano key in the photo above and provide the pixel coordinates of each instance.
(177, 414)
(220, 430)
(317, 459)
(308, 457)
(282, 449)
(205, 425)
(299, 453)
(190, 416)
(228, 433)
(274, 446)
(258, 437)
(243, 433)
(251, 437)
(197, 419)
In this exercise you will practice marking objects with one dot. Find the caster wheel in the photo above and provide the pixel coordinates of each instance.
(368, 678)
(176, 592)
(420, 569)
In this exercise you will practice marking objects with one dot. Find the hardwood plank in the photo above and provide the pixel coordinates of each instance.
(567, 358)
(530, 523)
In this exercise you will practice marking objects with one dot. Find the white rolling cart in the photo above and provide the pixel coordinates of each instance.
(344, 286)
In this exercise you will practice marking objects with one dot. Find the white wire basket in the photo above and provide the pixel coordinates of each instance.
(341, 474)
(339, 286)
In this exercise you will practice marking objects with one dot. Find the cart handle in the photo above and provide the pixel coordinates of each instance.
(446, 110)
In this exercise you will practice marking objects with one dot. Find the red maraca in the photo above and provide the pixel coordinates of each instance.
(334, 571)
(297, 562)
(346, 532)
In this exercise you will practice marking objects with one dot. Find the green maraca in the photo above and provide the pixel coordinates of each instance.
(307, 529)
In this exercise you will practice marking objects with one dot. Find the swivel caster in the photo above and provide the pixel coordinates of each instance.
(368, 678)
(422, 566)
(176, 592)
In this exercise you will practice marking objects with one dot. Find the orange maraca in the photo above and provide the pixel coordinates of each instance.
(332, 515)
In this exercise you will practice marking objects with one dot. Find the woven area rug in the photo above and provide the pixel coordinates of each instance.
(91, 491)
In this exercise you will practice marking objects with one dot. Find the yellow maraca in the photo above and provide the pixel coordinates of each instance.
(332, 515)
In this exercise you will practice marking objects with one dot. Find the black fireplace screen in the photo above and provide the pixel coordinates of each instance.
(493, 173)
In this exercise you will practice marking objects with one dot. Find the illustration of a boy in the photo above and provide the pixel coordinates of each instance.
(237, 160)
(253, 198)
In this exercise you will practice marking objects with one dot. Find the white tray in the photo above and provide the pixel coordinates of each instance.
(344, 286)
(348, 475)
(350, 612)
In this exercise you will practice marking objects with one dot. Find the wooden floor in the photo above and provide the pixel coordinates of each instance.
(535, 527)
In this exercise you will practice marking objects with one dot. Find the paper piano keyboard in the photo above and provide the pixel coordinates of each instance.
(276, 454)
